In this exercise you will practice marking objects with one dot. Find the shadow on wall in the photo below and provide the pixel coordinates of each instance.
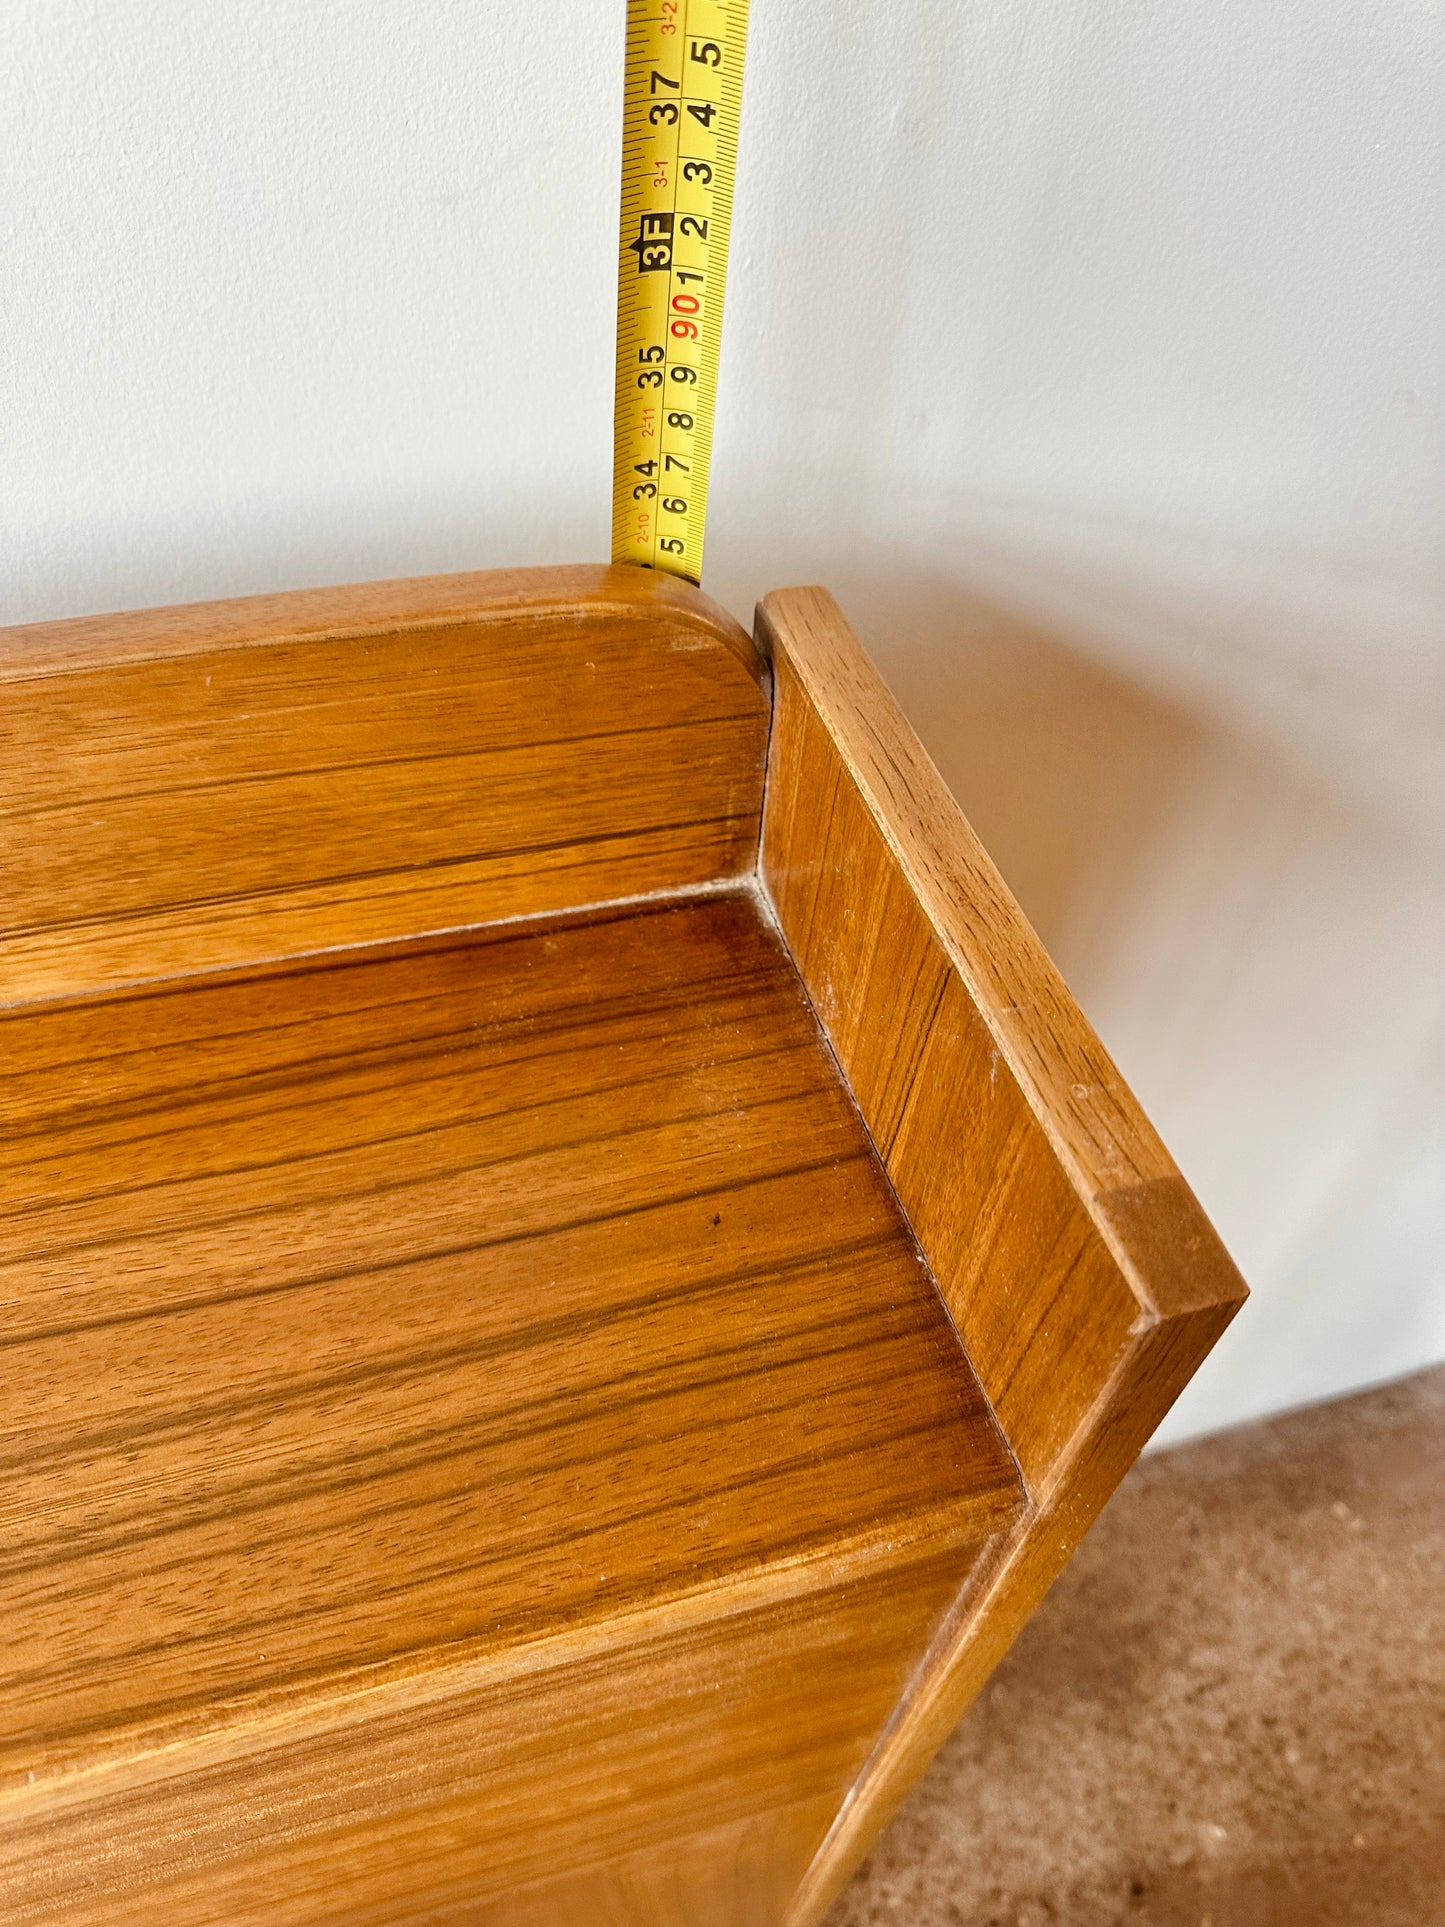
(1069, 772)
(304, 539)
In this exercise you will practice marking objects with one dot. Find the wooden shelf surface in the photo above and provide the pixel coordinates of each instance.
(571, 1269)
(375, 1315)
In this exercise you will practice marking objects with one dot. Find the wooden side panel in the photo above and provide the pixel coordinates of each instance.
(745, 1871)
(689, 1768)
(1084, 1280)
(1011, 1243)
(192, 789)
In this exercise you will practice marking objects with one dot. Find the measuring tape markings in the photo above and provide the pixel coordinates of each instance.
(679, 158)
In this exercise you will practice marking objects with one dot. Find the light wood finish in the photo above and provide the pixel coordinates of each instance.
(702, 1761)
(192, 788)
(486, 1434)
(427, 1371)
(584, 594)
(1085, 1282)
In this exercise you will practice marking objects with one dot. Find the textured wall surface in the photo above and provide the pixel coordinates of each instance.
(1089, 349)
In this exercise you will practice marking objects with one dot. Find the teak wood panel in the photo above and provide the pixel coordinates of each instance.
(515, 1331)
(199, 787)
(1084, 1279)
(473, 1410)
(655, 1772)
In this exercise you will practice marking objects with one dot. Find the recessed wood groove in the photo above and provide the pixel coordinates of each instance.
(171, 994)
(424, 866)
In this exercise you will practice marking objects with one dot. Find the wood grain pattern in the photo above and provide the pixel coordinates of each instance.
(473, 1411)
(742, 1872)
(186, 789)
(682, 1752)
(486, 1438)
(1085, 1281)
(588, 593)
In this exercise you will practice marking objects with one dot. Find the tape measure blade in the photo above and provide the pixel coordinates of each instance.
(681, 107)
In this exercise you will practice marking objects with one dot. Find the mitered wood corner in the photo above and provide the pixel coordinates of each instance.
(574, 1271)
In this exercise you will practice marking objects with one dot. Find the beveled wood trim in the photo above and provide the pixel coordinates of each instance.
(1084, 1279)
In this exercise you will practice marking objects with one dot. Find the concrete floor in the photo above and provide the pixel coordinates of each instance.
(1230, 1711)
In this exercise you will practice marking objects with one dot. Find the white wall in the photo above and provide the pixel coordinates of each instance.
(1090, 349)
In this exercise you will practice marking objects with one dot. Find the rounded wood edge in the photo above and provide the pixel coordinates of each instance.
(603, 591)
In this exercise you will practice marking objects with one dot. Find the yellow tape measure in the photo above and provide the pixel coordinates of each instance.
(679, 157)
